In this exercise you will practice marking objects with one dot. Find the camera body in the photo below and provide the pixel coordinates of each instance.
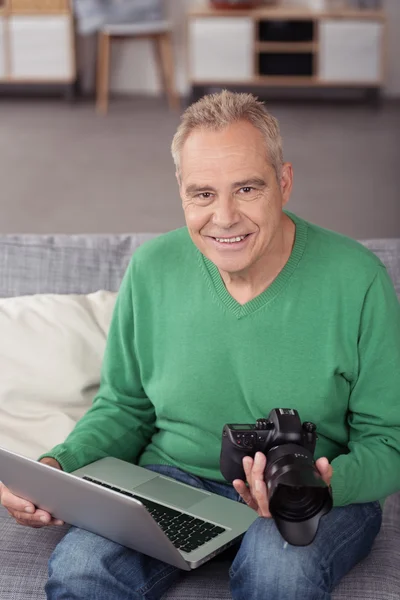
(283, 426)
(297, 495)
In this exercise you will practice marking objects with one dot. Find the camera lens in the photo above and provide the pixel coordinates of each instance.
(298, 497)
(298, 503)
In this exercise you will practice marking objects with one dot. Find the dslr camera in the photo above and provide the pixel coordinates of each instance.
(298, 496)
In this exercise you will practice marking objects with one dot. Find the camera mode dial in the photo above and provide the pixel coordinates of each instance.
(309, 427)
(264, 424)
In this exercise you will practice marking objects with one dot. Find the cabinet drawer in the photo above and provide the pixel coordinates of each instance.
(350, 51)
(286, 31)
(221, 49)
(41, 48)
(286, 64)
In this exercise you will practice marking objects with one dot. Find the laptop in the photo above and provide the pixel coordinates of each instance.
(138, 508)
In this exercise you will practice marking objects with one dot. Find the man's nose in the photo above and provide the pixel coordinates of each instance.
(225, 213)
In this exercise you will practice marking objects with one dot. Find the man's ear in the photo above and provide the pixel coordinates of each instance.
(286, 182)
(179, 180)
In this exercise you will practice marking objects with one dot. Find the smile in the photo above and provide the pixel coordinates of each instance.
(231, 240)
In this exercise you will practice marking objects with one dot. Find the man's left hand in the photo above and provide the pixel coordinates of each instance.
(256, 495)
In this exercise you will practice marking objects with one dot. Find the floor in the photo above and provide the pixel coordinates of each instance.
(64, 169)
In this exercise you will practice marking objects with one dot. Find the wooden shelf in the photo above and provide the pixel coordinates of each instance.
(285, 81)
(282, 80)
(307, 14)
(37, 13)
(286, 47)
(37, 80)
(282, 13)
(38, 7)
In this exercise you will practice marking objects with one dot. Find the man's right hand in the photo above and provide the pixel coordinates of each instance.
(23, 511)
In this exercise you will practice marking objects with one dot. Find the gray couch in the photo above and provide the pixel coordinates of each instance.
(82, 264)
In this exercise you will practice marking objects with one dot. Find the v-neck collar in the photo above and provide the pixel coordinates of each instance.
(242, 310)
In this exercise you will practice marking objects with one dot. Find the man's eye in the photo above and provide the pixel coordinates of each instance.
(247, 189)
(203, 196)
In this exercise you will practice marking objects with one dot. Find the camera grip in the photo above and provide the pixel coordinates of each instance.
(231, 460)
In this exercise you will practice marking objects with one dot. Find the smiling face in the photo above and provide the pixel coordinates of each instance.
(232, 198)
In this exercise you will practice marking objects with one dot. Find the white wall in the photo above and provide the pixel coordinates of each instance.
(133, 65)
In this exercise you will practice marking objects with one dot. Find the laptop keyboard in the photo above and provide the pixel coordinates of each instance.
(186, 532)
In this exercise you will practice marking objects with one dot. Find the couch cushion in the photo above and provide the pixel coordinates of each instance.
(24, 553)
(51, 350)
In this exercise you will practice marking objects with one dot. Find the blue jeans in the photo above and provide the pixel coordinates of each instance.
(88, 567)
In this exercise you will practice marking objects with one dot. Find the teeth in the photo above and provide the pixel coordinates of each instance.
(231, 240)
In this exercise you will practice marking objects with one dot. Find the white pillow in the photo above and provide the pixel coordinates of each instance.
(51, 350)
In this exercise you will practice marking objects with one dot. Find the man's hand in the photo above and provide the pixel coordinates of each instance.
(23, 511)
(325, 469)
(255, 495)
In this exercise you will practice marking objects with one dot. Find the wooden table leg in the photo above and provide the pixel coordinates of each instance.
(103, 72)
(165, 63)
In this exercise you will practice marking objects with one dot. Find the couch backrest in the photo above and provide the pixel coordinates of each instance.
(64, 264)
(389, 253)
(80, 264)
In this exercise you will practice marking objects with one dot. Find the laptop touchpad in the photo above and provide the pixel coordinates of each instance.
(171, 492)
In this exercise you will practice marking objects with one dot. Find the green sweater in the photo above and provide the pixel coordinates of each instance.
(183, 358)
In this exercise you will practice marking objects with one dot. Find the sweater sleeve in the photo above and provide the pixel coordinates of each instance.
(121, 420)
(371, 469)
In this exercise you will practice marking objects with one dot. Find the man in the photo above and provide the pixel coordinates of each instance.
(247, 309)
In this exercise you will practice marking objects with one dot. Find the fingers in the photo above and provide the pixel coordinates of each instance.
(248, 467)
(51, 462)
(261, 495)
(325, 469)
(15, 503)
(245, 493)
(256, 495)
(259, 464)
(258, 486)
(53, 522)
(39, 518)
(24, 512)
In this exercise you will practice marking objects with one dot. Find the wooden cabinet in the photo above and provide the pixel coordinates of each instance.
(37, 42)
(286, 46)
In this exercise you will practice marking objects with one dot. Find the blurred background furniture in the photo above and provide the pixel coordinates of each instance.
(287, 46)
(160, 35)
(37, 43)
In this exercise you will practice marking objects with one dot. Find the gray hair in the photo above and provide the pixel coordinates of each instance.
(217, 111)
